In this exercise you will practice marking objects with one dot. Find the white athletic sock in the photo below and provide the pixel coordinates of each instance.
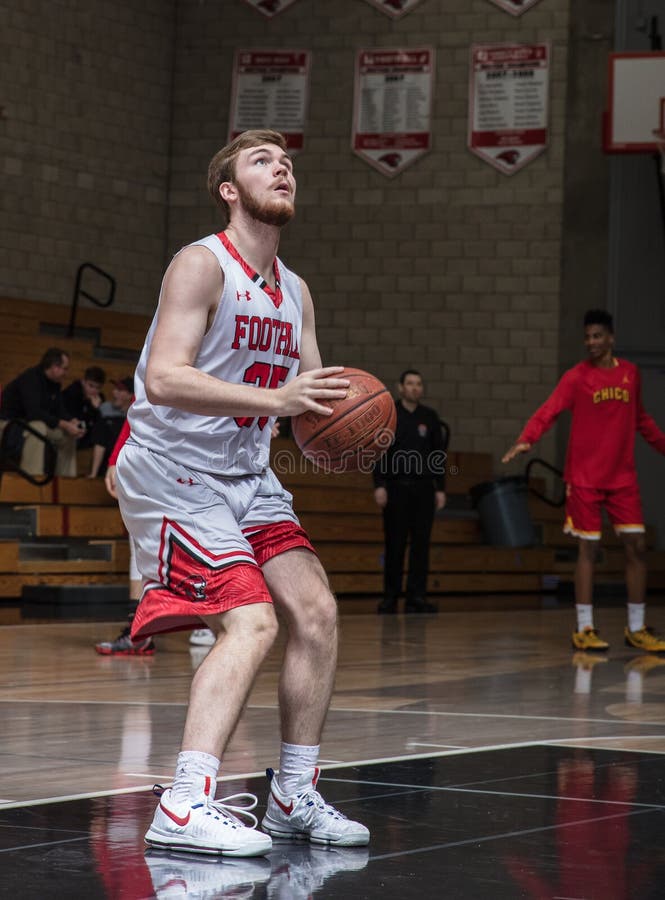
(584, 615)
(192, 769)
(294, 759)
(635, 616)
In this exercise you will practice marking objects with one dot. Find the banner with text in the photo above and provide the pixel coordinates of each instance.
(270, 90)
(394, 8)
(508, 103)
(392, 107)
(515, 7)
(270, 7)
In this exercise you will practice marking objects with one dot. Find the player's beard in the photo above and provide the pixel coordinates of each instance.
(278, 211)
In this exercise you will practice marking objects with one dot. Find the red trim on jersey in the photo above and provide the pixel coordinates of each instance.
(120, 443)
(276, 295)
(214, 560)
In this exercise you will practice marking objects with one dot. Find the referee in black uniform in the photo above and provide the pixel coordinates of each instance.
(409, 487)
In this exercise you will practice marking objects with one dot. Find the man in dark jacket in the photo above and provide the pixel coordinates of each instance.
(83, 399)
(409, 488)
(36, 397)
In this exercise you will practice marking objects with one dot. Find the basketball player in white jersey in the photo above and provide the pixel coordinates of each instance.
(233, 346)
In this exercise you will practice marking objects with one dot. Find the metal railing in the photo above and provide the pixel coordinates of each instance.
(556, 501)
(10, 458)
(79, 291)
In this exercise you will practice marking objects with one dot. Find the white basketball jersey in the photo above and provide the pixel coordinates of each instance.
(254, 339)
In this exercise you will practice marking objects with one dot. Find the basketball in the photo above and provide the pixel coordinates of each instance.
(359, 431)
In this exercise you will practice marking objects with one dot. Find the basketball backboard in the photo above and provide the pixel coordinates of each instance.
(636, 86)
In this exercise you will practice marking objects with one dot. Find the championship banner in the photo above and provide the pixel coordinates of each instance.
(392, 107)
(514, 7)
(270, 90)
(270, 7)
(394, 8)
(508, 104)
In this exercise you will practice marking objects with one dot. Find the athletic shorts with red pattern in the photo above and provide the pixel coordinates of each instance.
(200, 539)
(584, 505)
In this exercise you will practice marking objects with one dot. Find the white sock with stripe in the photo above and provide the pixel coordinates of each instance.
(294, 759)
(192, 769)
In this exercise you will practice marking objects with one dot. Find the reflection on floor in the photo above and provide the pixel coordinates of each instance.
(488, 760)
(535, 822)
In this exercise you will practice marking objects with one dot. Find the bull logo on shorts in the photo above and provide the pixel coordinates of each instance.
(194, 587)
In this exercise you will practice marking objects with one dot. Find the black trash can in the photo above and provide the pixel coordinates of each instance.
(504, 511)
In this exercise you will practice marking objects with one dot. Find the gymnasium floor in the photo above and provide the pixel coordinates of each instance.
(487, 759)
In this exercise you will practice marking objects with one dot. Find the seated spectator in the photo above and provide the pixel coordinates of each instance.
(83, 399)
(36, 397)
(112, 415)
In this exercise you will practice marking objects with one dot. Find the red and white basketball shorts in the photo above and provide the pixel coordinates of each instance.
(200, 539)
(583, 510)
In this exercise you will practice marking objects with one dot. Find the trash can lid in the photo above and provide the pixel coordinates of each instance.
(509, 483)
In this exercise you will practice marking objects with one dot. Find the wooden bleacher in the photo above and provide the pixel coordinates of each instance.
(28, 328)
(339, 513)
(69, 532)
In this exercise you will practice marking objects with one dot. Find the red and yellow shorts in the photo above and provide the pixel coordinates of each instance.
(584, 505)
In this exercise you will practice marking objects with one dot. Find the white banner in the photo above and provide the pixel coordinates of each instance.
(515, 7)
(270, 7)
(394, 8)
(270, 90)
(392, 107)
(508, 103)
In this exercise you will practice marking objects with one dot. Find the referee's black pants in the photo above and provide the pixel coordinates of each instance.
(407, 517)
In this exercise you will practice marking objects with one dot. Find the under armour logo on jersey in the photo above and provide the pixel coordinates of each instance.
(245, 294)
(189, 481)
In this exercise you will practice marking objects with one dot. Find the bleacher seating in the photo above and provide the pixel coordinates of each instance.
(69, 532)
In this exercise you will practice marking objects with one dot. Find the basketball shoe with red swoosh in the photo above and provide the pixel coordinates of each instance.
(208, 826)
(305, 816)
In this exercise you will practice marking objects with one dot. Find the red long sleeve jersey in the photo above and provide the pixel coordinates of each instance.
(606, 406)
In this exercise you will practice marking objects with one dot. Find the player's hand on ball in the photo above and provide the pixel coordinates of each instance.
(310, 390)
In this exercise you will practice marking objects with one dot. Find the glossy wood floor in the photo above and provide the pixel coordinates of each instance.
(446, 734)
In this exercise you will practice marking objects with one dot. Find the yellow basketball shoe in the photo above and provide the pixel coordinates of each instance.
(645, 639)
(588, 639)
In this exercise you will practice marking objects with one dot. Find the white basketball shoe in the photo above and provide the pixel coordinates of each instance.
(305, 816)
(208, 826)
(202, 637)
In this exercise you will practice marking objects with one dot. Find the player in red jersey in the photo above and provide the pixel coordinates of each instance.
(603, 394)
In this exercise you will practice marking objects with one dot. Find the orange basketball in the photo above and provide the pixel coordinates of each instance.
(359, 431)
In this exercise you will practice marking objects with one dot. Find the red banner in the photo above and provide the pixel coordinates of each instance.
(392, 107)
(514, 7)
(270, 90)
(508, 104)
(270, 7)
(394, 8)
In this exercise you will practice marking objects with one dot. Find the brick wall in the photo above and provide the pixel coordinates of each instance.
(84, 134)
(450, 267)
